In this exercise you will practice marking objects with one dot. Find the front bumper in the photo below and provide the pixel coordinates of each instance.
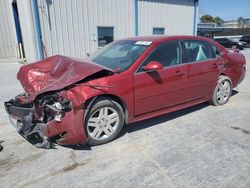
(68, 131)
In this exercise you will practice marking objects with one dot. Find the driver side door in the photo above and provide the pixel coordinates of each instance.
(155, 90)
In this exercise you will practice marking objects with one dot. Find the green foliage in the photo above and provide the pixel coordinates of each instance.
(210, 19)
(241, 22)
(207, 19)
(218, 21)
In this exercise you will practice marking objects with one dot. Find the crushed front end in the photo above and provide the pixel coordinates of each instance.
(50, 118)
(52, 107)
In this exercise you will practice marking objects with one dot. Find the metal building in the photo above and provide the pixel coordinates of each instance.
(35, 29)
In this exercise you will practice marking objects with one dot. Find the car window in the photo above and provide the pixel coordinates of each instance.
(168, 54)
(215, 51)
(196, 51)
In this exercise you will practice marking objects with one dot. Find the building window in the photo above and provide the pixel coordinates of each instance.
(105, 35)
(158, 31)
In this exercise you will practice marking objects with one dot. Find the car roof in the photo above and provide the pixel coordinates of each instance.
(165, 38)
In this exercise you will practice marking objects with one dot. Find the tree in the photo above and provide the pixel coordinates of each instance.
(241, 22)
(207, 19)
(218, 21)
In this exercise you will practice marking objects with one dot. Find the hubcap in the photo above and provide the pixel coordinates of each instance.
(103, 123)
(223, 91)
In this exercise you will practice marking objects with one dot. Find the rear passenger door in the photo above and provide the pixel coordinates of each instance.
(202, 68)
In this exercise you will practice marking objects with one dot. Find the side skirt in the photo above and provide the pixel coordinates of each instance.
(167, 110)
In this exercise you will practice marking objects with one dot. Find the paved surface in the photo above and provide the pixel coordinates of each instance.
(202, 146)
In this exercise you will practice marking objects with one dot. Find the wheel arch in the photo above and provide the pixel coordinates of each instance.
(117, 99)
(230, 79)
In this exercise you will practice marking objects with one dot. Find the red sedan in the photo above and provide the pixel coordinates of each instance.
(70, 101)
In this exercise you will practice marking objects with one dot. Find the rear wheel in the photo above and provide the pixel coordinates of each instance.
(235, 46)
(222, 91)
(104, 121)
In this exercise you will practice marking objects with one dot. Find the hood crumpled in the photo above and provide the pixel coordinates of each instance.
(55, 73)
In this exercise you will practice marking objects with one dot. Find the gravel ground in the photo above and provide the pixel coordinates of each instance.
(202, 146)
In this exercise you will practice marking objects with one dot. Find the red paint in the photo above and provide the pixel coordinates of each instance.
(54, 73)
(153, 66)
(143, 95)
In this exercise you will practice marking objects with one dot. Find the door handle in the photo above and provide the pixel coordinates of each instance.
(179, 73)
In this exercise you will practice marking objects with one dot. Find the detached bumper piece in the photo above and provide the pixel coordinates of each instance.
(25, 124)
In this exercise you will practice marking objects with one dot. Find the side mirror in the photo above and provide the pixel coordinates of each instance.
(153, 66)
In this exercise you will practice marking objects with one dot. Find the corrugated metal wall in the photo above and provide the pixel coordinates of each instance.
(7, 37)
(70, 27)
(176, 16)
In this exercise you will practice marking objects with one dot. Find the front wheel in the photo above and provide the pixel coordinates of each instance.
(104, 121)
(222, 91)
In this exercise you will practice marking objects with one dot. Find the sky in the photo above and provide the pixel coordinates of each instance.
(225, 9)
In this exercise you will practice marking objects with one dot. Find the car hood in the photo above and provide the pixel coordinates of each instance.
(55, 73)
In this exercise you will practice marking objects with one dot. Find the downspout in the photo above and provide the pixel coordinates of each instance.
(136, 17)
(196, 2)
(37, 30)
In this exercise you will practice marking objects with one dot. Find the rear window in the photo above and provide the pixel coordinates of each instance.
(215, 51)
(196, 51)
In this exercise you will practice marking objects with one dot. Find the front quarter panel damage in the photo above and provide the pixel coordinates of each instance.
(50, 118)
(55, 117)
(68, 131)
(52, 109)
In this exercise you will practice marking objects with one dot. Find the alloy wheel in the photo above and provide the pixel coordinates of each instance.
(103, 123)
(223, 91)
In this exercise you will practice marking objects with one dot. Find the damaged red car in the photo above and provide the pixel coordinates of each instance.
(70, 101)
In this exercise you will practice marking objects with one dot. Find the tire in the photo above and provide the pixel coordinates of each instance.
(104, 121)
(222, 91)
(235, 47)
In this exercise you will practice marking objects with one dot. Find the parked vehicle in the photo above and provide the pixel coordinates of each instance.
(228, 43)
(71, 101)
(243, 44)
(245, 38)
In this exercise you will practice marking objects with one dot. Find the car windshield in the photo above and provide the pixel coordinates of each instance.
(120, 55)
